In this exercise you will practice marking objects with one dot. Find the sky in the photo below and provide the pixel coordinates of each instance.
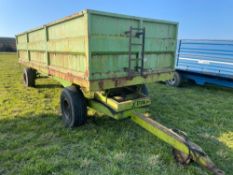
(198, 19)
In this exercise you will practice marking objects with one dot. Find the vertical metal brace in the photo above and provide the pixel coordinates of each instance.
(28, 52)
(130, 50)
(143, 49)
(46, 45)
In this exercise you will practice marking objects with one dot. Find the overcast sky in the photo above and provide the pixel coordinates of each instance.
(204, 19)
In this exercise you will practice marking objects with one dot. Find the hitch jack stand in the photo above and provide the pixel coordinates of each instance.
(183, 149)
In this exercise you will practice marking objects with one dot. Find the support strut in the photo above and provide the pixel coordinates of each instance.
(184, 150)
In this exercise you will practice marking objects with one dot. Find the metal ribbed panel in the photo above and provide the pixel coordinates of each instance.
(213, 57)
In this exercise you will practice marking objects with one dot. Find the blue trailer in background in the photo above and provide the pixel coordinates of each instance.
(204, 62)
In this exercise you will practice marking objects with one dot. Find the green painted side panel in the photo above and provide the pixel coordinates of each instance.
(71, 62)
(68, 36)
(22, 42)
(109, 45)
(111, 66)
(36, 36)
(60, 46)
(91, 49)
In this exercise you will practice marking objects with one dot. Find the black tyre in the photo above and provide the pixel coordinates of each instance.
(73, 107)
(176, 81)
(29, 77)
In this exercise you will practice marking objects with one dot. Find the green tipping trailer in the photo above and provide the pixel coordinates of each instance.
(91, 49)
(104, 61)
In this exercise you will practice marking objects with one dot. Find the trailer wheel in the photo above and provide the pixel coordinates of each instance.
(29, 77)
(176, 81)
(73, 107)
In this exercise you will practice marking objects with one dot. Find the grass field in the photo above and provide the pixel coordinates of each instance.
(34, 141)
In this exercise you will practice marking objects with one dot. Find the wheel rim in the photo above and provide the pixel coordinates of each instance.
(66, 108)
(172, 81)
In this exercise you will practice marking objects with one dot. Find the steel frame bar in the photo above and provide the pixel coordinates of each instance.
(176, 141)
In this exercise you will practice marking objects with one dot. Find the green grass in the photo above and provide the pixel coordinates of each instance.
(34, 141)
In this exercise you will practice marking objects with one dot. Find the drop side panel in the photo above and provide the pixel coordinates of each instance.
(109, 45)
(58, 49)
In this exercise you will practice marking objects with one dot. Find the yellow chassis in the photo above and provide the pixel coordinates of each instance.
(137, 111)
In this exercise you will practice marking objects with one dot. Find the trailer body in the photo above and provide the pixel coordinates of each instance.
(206, 61)
(91, 49)
(105, 60)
